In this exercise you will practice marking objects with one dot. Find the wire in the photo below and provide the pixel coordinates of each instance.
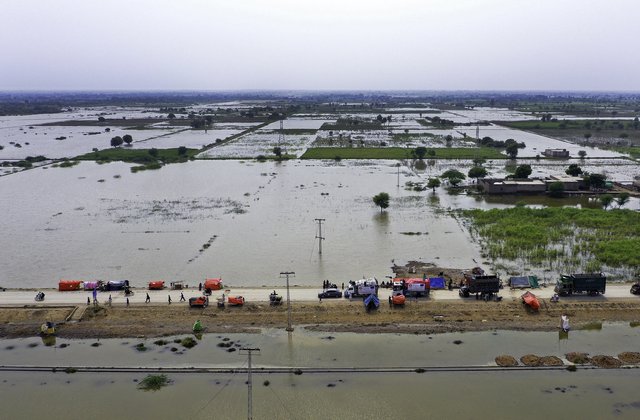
(219, 391)
(282, 403)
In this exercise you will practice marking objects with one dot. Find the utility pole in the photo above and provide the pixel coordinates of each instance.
(287, 274)
(249, 383)
(398, 166)
(319, 237)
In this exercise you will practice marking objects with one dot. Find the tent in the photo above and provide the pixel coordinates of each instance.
(519, 282)
(437, 282)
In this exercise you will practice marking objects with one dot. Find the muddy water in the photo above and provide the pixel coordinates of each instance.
(246, 222)
(526, 394)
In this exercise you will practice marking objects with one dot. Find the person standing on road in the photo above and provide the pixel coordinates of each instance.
(109, 300)
(169, 299)
(127, 301)
(148, 299)
(182, 299)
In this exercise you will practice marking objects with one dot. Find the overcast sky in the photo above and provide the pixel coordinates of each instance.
(324, 44)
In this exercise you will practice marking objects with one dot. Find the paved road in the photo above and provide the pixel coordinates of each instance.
(299, 294)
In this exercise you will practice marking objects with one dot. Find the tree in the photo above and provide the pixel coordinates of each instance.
(433, 183)
(454, 176)
(127, 139)
(606, 201)
(623, 198)
(478, 161)
(277, 151)
(597, 180)
(477, 172)
(582, 154)
(523, 171)
(381, 200)
(153, 152)
(512, 150)
(556, 189)
(573, 170)
(182, 150)
(420, 152)
(101, 119)
(171, 115)
(116, 141)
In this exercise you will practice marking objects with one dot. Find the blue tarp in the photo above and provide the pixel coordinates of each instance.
(437, 282)
(519, 282)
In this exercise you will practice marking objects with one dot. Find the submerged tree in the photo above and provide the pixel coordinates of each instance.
(477, 172)
(622, 199)
(116, 141)
(433, 183)
(127, 139)
(454, 176)
(573, 170)
(606, 201)
(381, 200)
(523, 171)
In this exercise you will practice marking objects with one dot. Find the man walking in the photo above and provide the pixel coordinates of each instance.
(182, 299)
(148, 299)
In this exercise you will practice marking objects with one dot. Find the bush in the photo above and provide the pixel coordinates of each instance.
(154, 382)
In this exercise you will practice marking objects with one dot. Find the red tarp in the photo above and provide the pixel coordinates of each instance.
(67, 285)
(213, 284)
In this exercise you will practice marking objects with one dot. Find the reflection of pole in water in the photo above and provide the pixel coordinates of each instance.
(249, 382)
(319, 237)
(287, 274)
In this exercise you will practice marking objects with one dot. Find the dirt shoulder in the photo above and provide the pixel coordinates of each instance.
(424, 317)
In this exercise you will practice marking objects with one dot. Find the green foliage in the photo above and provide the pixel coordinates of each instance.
(420, 152)
(454, 176)
(622, 199)
(433, 183)
(381, 200)
(400, 153)
(523, 171)
(154, 382)
(116, 141)
(127, 139)
(556, 189)
(606, 200)
(141, 156)
(512, 150)
(574, 170)
(610, 238)
(477, 172)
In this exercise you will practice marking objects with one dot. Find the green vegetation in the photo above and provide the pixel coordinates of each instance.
(188, 342)
(381, 200)
(565, 235)
(154, 382)
(148, 158)
(400, 153)
(353, 123)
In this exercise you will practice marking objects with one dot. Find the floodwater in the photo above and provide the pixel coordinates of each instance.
(597, 394)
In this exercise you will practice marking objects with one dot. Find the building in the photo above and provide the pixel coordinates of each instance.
(570, 183)
(512, 186)
(556, 153)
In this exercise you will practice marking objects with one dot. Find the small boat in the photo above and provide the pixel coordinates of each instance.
(530, 299)
(398, 299)
(371, 302)
(235, 300)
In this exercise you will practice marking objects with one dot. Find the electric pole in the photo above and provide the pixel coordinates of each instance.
(287, 274)
(319, 237)
(249, 383)
(398, 166)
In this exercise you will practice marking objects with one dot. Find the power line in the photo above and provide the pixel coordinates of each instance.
(249, 382)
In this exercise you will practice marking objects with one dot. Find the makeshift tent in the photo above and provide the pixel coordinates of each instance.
(437, 282)
(533, 282)
(213, 284)
(519, 282)
(68, 285)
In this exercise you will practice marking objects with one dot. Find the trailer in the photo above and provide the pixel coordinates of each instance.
(483, 286)
(591, 283)
(69, 285)
(412, 287)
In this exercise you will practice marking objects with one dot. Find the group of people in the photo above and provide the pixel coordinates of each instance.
(110, 300)
(326, 284)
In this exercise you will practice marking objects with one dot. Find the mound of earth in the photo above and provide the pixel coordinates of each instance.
(551, 361)
(578, 358)
(530, 360)
(506, 361)
(629, 357)
(606, 362)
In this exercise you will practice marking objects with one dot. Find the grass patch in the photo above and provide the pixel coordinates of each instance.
(141, 347)
(154, 382)
(567, 236)
(400, 153)
(189, 342)
(144, 157)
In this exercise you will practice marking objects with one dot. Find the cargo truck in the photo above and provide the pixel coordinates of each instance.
(480, 285)
(591, 283)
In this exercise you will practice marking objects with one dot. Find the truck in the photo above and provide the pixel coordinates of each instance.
(415, 287)
(480, 285)
(361, 288)
(591, 283)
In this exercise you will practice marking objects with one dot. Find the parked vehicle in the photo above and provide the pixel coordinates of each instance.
(397, 299)
(591, 283)
(330, 293)
(414, 287)
(361, 288)
(213, 284)
(116, 285)
(39, 296)
(198, 302)
(531, 300)
(483, 286)
(635, 289)
(177, 285)
(275, 299)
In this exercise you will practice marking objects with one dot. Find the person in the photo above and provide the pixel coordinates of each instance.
(450, 286)
(320, 297)
(200, 287)
(88, 301)
(148, 299)
(342, 285)
(127, 301)
(95, 296)
(109, 300)
(169, 299)
(182, 299)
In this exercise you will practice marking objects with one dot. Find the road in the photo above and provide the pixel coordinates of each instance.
(11, 297)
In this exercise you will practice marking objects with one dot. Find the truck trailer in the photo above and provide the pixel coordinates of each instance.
(591, 283)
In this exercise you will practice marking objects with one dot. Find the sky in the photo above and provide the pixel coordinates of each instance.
(320, 45)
